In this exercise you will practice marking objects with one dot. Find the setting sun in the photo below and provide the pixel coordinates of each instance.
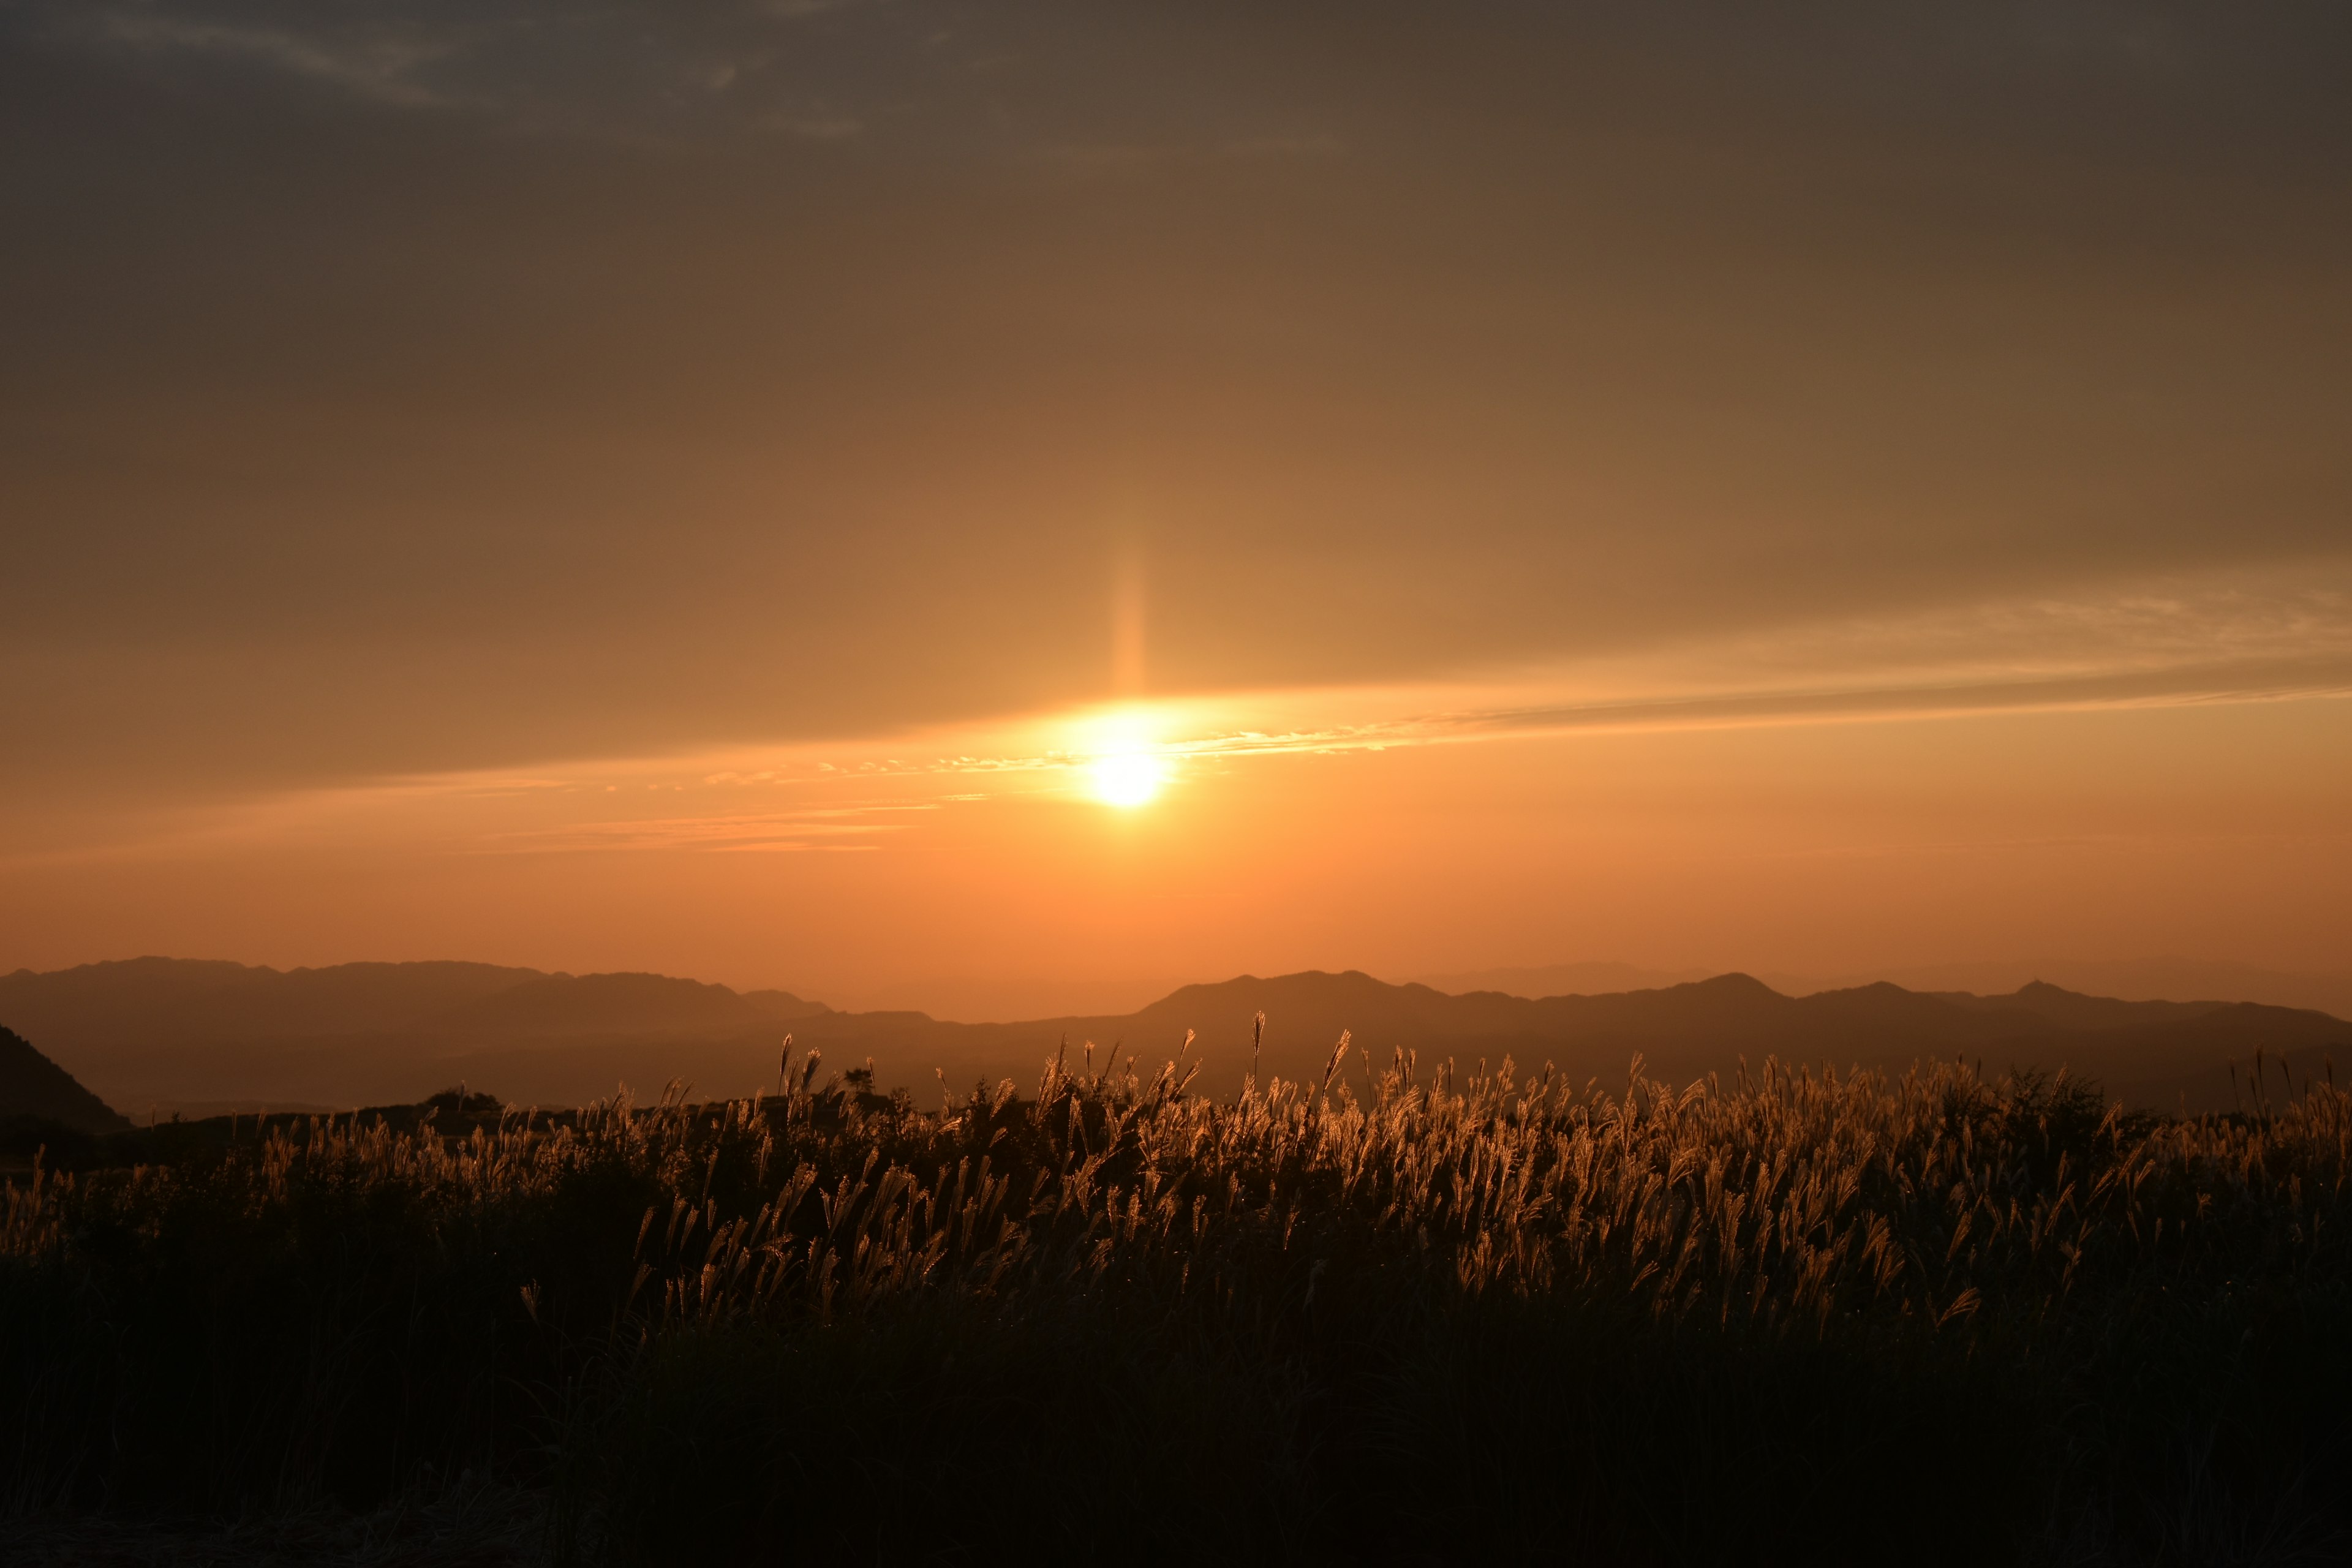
(1126, 778)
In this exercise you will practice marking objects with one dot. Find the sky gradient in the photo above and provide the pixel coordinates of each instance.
(700, 488)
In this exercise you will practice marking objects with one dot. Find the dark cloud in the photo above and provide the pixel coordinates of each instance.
(421, 386)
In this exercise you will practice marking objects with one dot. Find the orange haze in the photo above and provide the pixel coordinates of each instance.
(1007, 509)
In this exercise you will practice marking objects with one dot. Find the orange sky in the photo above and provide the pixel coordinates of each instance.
(935, 871)
(704, 488)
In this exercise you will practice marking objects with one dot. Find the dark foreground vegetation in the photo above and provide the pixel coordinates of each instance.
(1403, 1318)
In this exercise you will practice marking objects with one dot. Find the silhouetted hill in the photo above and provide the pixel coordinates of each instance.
(2180, 979)
(2171, 1062)
(32, 1086)
(2070, 1010)
(150, 1031)
(783, 1007)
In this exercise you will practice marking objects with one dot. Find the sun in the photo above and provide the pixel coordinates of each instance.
(1126, 778)
(1120, 756)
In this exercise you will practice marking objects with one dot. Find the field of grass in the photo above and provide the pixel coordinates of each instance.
(1402, 1315)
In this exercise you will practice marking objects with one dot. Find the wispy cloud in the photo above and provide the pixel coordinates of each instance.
(2151, 647)
(2243, 682)
(603, 71)
(378, 66)
(815, 71)
(820, 828)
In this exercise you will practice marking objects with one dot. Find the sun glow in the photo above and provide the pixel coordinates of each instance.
(1126, 778)
(1121, 753)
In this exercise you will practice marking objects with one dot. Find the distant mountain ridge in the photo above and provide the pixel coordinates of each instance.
(173, 1032)
(2153, 1053)
(209, 1000)
(164, 1031)
(2174, 977)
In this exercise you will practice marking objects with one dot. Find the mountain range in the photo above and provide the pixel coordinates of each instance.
(2138, 977)
(199, 1036)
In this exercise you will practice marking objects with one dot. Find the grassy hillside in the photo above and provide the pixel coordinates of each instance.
(1400, 1316)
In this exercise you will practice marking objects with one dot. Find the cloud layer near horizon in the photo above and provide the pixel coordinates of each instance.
(443, 387)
